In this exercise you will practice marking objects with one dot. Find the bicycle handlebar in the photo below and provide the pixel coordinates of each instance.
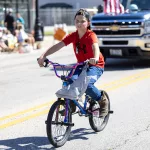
(57, 65)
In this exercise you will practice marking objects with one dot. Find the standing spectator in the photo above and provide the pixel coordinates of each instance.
(10, 21)
(100, 8)
(20, 20)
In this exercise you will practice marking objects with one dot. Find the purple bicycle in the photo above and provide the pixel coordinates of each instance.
(59, 119)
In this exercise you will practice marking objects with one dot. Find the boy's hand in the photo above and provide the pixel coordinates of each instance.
(93, 61)
(41, 61)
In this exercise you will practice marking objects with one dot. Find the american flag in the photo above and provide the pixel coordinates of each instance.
(113, 6)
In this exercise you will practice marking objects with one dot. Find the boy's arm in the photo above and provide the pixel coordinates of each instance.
(96, 52)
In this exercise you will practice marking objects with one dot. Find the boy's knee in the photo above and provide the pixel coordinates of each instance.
(89, 88)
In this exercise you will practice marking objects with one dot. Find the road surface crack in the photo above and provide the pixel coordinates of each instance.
(130, 139)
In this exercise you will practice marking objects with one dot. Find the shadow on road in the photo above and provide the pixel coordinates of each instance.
(126, 64)
(25, 143)
(41, 143)
(81, 134)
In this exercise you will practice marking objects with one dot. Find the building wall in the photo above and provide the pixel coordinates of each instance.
(75, 3)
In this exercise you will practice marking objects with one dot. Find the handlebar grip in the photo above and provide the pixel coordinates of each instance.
(46, 62)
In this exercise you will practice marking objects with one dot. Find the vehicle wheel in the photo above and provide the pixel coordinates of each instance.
(97, 123)
(57, 132)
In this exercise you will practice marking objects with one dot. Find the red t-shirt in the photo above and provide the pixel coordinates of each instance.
(83, 47)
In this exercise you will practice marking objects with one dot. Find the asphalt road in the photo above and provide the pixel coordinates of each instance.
(27, 92)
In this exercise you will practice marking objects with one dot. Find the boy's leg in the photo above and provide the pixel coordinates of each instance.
(94, 93)
(94, 73)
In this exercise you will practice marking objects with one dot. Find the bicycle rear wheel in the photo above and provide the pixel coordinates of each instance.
(97, 123)
(58, 131)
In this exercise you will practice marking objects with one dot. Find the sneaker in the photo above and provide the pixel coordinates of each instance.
(103, 102)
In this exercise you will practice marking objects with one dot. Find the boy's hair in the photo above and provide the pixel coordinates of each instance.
(84, 13)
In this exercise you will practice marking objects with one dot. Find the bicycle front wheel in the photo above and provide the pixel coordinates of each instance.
(97, 123)
(57, 131)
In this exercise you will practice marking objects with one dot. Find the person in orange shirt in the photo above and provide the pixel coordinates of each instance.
(85, 45)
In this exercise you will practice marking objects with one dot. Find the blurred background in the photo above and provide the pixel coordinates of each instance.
(50, 11)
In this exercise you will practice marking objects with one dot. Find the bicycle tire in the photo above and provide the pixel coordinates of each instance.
(50, 128)
(104, 121)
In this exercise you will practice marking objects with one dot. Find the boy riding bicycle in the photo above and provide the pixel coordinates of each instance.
(85, 45)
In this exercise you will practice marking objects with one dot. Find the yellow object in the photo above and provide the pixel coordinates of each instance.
(12, 43)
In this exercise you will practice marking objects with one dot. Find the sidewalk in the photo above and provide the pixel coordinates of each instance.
(48, 41)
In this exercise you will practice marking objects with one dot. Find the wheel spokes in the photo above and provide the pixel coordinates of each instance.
(58, 129)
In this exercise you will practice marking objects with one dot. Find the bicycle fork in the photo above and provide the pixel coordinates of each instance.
(67, 120)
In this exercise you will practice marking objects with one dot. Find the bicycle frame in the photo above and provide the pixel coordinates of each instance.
(81, 108)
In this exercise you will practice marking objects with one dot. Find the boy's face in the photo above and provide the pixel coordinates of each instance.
(81, 22)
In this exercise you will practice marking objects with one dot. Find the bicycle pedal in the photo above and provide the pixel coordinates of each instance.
(111, 112)
(68, 124)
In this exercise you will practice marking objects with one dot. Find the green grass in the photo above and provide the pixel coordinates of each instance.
(47, 33)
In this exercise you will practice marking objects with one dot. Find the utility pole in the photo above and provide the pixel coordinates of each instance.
(29, 17)
(38, 28)
(17, 8)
